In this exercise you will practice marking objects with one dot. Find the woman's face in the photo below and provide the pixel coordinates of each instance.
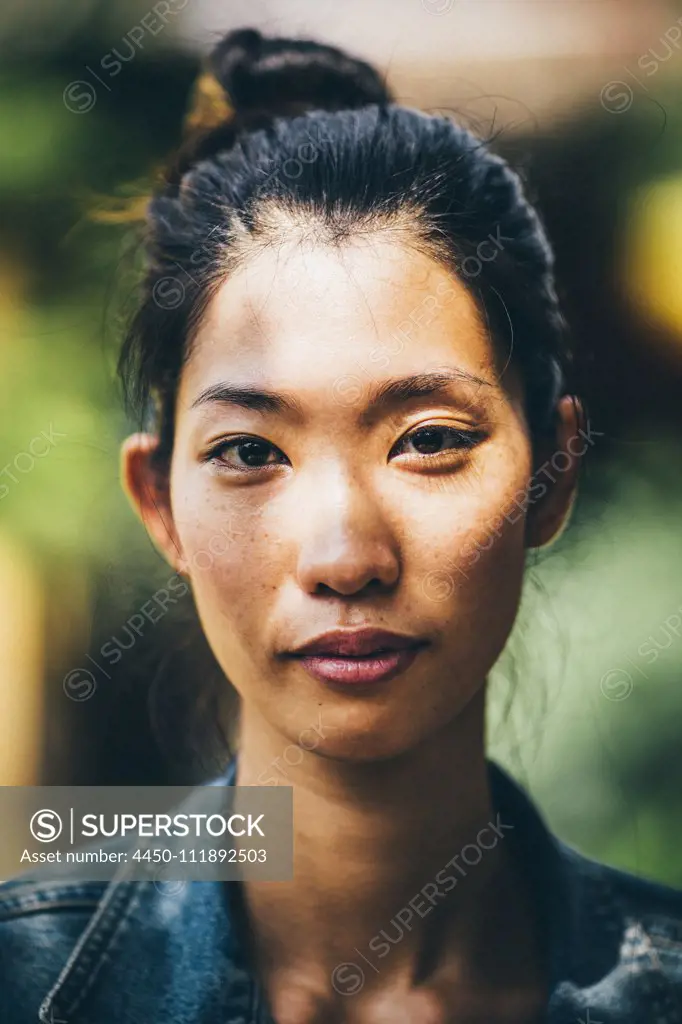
(316, 506)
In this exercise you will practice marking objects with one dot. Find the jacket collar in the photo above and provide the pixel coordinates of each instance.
(178, 953)
(604, 966)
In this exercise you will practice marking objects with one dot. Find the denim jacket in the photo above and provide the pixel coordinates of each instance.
(129, 952)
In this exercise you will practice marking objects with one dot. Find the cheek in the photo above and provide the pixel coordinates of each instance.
(469, 546)
(230, 560)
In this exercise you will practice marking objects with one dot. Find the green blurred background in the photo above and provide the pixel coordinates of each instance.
(586, 704)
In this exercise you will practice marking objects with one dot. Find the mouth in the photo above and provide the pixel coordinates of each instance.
(357, 658)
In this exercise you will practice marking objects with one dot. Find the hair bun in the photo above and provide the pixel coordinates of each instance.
(288, 76)
(249, 80)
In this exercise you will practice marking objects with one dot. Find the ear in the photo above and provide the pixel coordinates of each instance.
(148, 491)
(556, 469)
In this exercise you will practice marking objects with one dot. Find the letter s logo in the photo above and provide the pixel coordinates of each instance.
(46, 826)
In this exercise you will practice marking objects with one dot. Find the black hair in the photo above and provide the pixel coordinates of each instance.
(309, 129)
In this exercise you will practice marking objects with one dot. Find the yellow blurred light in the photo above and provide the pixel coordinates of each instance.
(21, 678)
(653, 255)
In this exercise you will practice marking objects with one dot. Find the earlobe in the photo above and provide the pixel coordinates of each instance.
(558, 471)
(148, 491)
(544, 531)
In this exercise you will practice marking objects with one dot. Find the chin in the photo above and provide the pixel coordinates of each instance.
(364, 750)
(361, 736)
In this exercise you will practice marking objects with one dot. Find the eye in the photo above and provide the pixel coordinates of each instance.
(245, 454)
(436, 442)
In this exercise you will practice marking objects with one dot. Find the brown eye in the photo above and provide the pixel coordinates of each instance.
(435, 440)
(428, 441)
(253, 453)
(245, 453)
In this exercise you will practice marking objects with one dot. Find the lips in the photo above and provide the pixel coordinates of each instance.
(356, 644)
(363, 657)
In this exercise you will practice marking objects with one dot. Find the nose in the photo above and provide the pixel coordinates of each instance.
(347, 545)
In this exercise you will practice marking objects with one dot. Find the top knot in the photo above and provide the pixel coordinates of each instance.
(249, 80)
(285, 77)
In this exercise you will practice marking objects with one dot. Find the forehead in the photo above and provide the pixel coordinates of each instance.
(299, 311)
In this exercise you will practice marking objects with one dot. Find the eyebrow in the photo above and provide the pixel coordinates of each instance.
(388, 394)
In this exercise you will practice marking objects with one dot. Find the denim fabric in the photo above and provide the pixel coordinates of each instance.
(130, 952)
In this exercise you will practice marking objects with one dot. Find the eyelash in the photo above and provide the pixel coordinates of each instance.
(466, 440)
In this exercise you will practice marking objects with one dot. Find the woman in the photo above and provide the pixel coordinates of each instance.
(350, 332)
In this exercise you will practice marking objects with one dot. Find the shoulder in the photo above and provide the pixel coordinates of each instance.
(614, 937)
(637, 896)
(624, 948)
(125, 947)
(44, 914)
(40, 923)
(123, 950)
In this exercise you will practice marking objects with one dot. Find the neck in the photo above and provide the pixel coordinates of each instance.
(394, 861)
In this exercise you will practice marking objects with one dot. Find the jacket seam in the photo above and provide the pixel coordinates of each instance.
(47, 906)
(86, 958)
(50, 889)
